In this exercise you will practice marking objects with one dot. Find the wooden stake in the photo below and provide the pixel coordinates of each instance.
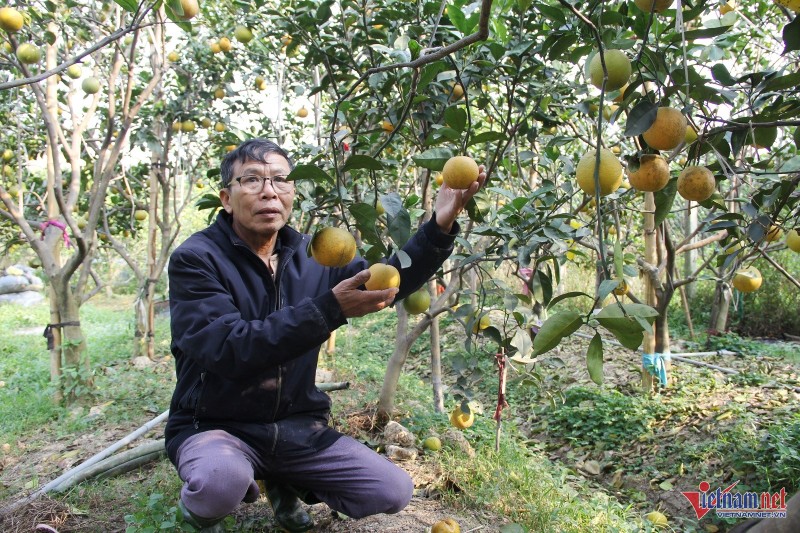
(651, 258)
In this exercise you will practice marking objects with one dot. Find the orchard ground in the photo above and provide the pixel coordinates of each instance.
(573, 455)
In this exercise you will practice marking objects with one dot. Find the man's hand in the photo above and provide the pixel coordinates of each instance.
(357, 302)
(450, 202)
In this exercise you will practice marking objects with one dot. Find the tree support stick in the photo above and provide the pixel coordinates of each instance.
(651, 258)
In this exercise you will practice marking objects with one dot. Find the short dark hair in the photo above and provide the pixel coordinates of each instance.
(250, 150)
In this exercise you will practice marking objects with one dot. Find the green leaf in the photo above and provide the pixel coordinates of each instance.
(310, 172)
(605, 288)
(791, 36)
(365, 216)
(400, 227)
(128, 5)
(621, 321)
(362, 161)
(664, 200)
(456, 118)
(429, 72)
(721, 74)
(554, 329)
(434, 158)
(594, 359)
(641, 117)
(618, 259)
(487, 136)
(702, 33)
(782, 83)
(572, 294)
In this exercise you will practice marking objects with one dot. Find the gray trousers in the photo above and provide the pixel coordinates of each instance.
(219, 471)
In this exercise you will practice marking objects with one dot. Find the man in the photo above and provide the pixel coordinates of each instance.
(249, 311)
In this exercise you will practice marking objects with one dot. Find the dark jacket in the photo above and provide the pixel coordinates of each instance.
(246, 346)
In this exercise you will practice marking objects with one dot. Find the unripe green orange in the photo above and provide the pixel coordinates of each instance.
(618, 66)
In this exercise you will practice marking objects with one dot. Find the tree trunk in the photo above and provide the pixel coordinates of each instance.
(75, 375)
(394, 367)
(690, 256)
(720, 307)
(436, 357)
(651, 258)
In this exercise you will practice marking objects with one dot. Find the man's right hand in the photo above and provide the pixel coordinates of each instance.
(359, 302)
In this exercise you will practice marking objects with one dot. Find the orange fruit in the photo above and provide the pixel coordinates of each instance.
(10, 19)
(660, 5)
(333, 247)
(793, 240)
(618, 66)
(668, 131)
(417, 302)
(190, 9)
(460, 172)
(747, 279)
(774, 233)
(652, 175)
(382, 277)
(696, 183)
(610, 172)
(448, 525)
(461, 420)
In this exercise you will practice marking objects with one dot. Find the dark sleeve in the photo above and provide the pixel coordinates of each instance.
(428, 248)
(208, 327)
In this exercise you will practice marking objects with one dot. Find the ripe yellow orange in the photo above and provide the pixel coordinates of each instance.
(187, 126)
(774, 233)
(668, 131)
(215, 48)
(481, 324)
(622, 288)
(387, 126)
(286, 39)
(610, 172)
(333, 247)
(225, 44)
(140, 215)
(696, 183)
(219, 127)
(618, 66)
(460, 419)
(793, 240)
(243, 34)
(190, 9)
(28, 53)
(230, 148)
(460, 172)
(417, 302)
(219, 93)
(660, 5)
(657, 518)
(173, 57)
(302, 112)
(382, 276)
(794, 5)
(747, 279)
(433, 444)
(439, 179)
(458, 91)
(652, 174)
(8, 154)
(727, 7)
(448, 525)
(691, 135)
(74, 71)
(10, 19)
(205, 122)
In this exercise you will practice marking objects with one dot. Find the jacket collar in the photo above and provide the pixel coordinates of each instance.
(287, 236)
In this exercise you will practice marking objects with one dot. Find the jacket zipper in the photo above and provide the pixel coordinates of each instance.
(278, 305)
(196, 421)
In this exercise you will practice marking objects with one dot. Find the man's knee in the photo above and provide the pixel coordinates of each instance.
(400, 495)
(390, 497)
(215, 489)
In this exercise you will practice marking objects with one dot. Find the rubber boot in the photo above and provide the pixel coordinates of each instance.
(203, 525)
(289, 513)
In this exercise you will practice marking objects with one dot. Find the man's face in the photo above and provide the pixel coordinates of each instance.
(258, 216)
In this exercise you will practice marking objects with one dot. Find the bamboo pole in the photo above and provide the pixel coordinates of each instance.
(85, 465)
(650, 257)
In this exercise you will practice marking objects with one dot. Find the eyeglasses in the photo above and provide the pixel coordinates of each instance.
(254, 184)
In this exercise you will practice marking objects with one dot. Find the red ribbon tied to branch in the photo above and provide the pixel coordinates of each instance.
(59, 225)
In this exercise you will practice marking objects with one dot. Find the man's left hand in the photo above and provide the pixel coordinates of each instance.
(450, 202)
